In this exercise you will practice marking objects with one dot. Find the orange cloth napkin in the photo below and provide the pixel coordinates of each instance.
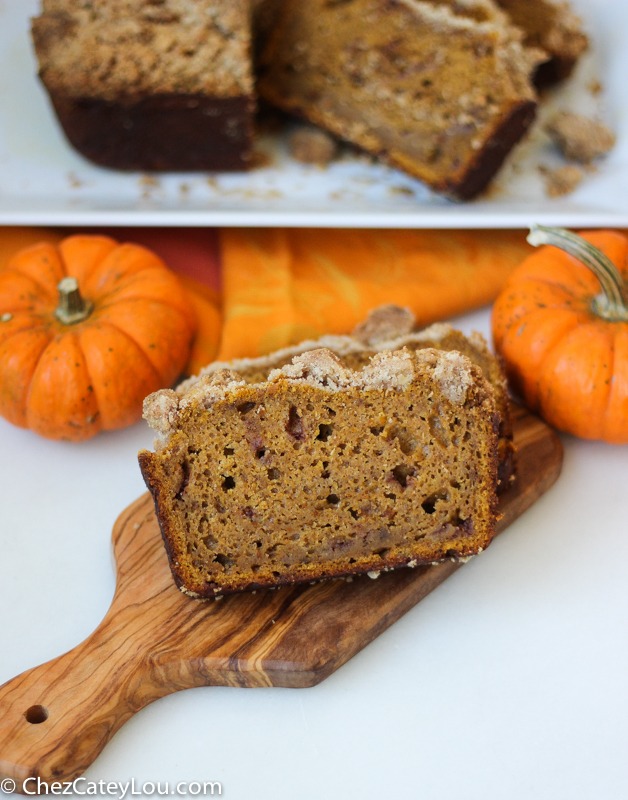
(283, 286)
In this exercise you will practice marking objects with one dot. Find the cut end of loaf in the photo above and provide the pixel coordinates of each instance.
(323, 471)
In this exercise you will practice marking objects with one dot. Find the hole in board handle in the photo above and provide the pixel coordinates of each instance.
(36, 715)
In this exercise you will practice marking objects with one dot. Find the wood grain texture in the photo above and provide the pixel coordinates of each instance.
(154, 640)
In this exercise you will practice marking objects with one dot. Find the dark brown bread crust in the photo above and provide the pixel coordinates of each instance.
(146, 463)
(167, 132)
(492, 155)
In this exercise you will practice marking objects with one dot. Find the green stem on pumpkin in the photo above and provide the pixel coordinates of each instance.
(612, 303)
(72, 306)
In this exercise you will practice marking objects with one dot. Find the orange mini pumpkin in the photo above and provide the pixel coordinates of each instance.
(88, 328)
(561, 326)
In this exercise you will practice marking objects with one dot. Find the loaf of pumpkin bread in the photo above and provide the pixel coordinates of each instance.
(323, 471)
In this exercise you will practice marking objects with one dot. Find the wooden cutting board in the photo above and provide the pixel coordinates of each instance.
(55, 719)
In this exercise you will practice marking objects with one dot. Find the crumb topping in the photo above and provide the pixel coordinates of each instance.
(313, 146)
(116, 49)
(394, 370)
(161, 410)
(453, 372)
(318, 367)
(210, 388)
(477, 340)
(383, 324)
(581, 139)
(562, 181)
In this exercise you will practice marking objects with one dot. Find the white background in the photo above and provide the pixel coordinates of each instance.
(508, 682)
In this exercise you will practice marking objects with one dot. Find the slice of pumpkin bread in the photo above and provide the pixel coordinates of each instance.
(322, 471)
(391, 327)
(442, 95)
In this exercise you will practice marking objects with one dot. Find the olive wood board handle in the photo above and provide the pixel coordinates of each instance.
(55, 719)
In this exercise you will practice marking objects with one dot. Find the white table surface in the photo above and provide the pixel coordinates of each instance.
(509, 681)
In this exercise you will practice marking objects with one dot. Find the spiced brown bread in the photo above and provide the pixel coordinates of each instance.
(322, 471)
(391, 327)
(428, 87)
(151, 84)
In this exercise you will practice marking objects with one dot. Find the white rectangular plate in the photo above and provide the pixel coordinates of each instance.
(44, 182)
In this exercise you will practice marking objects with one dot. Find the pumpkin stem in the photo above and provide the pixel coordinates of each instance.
(612, 303)
(72, 306)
